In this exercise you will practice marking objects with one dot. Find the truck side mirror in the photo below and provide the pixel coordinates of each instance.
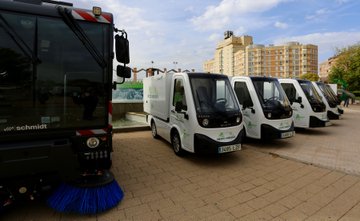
(247, 103)
(123, 71)
(299, 100)
(178, 106)
(122, 48)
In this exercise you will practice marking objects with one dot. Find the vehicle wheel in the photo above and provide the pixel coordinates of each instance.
(244, 137)
(153, 130)
(176, 144)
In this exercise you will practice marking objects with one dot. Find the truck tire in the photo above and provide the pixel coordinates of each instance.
(154, 130)
(176, 143)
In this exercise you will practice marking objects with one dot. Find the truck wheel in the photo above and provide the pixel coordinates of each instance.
(154, 130)
(244, 137)
(176, 144)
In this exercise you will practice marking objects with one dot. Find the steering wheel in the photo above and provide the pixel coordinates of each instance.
(274, 98)
(220, 100)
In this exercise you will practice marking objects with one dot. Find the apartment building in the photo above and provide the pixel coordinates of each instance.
(241, 57)
(224, 61)
(325, 68)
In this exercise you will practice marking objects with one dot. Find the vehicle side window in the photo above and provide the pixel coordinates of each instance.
(179, 94)
(243, 94)
(290, 91)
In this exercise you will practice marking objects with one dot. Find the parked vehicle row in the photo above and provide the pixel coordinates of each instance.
(211, 113)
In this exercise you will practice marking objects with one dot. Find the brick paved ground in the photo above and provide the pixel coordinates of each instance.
(246, 185)
(334, 147)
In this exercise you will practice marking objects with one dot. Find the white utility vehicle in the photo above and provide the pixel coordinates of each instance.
(333, 91)
(329, 100)
(195, 112)
(309, 110)
(267, 113)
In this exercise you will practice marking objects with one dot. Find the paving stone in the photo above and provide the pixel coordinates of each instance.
(312, 176)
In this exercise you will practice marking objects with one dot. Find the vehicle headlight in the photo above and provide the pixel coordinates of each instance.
(269, 115)
(238, 119)
(205, 122)
(92, 142)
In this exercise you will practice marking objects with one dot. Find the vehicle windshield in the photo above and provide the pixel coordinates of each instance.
(310, 92)
(64, 87)
(333, 94)
(327, 92)
(270, 93)
(213, 94)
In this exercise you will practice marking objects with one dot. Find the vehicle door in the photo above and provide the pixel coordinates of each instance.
(179, 116)
(251, 120)
(300, 114)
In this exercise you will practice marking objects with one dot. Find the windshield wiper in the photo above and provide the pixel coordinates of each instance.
(79, 32)
(19, 41)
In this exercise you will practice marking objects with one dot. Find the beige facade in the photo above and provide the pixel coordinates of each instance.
(224, 61)
(325, 68)
(239, 56)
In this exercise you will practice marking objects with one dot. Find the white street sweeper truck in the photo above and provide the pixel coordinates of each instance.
(266, 111)
(56, 80)
(330, 100)
(195, 112)
(309, 109)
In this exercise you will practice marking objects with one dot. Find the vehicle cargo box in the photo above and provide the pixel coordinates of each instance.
(157, 95)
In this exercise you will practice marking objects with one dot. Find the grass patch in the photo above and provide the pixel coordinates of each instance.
(131, 85)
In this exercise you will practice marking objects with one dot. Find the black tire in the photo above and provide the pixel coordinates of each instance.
(154, 130)
(176, 144)
(244, 137)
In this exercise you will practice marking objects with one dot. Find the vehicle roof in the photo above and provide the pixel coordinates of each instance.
(263, 78)
(205, 75)
(44, 7)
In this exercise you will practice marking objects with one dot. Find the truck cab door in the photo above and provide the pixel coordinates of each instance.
(179, 116)
(251, 122)
(300, 115)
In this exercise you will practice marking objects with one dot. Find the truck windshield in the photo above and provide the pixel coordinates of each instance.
(270, 93)
(213, 94)
(330, 98)
(310, 92)
(333, 94)
(65, 89)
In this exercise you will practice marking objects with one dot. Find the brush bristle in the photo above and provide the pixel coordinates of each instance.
(92, 200)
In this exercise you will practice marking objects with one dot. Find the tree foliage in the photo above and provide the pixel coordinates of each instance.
(310, 76)
(346, 71)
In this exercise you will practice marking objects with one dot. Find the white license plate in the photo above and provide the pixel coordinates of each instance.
(230, 148)
(287, 134)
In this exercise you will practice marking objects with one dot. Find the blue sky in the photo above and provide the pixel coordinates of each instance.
(186, 32)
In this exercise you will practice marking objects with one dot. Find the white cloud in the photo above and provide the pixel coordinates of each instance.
(327, 42)
(216, 37)
(125, 17)
(280, 25)
(318, 14)
(217, 17)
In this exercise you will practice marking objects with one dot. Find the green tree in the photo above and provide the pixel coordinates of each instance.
(310, 76)
(346, 71)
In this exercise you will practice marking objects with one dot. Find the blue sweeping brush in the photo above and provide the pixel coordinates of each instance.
(90, 196)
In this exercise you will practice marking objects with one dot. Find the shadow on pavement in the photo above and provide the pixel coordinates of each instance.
(313, 131)
(278, 143)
